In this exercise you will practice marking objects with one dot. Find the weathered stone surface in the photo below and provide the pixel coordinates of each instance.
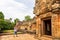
(42, 11)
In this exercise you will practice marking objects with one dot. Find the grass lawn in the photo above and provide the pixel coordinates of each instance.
(10, 31)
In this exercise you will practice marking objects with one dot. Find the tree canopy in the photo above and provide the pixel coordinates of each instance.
(27, 18)
(5, 23)
(16, 20)
(1, 15)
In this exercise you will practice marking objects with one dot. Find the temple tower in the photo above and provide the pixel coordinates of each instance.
(47, 19)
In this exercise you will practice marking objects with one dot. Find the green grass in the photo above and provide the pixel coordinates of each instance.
(10, 31)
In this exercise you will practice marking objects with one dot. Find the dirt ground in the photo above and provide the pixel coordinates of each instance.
(19, 37)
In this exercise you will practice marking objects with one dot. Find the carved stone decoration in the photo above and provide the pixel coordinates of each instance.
(49, 4)
(43, 7)
(56, 6)
(37, 12)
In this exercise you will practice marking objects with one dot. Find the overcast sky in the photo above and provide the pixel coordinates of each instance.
(17, 8)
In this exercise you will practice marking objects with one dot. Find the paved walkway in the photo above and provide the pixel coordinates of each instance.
(20, 37)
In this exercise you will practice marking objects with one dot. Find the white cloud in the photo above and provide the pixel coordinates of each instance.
(13, 9)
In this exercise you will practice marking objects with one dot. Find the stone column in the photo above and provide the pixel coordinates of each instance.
(38, 26)
(56, 25)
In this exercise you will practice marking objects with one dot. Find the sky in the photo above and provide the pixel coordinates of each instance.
(17, 8)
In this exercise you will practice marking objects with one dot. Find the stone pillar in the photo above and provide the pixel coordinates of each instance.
(56, 25)
(38, 27)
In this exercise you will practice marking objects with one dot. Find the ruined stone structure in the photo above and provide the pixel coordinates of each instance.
(29, 26)
(47, 19)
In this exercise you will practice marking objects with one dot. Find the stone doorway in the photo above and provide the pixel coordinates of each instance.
(47, 26)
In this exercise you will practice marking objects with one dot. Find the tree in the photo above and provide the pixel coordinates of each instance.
(10, 19)
(5, 23)
(1, 15)
(27, 18)
(1, 20)
(1, 23)
(16, 20)
(8, 24)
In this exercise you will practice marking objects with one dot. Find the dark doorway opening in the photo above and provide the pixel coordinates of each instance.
(47, 26)
(25, 28)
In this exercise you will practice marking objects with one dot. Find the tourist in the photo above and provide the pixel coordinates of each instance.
(15, 31)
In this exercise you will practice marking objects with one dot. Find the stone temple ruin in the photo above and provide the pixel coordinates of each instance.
(47, 14)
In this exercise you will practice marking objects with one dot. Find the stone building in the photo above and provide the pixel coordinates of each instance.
(33, 25)
(18, 25)
(47, 19)
(28, 26)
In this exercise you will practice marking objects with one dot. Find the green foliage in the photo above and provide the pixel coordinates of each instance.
(5, 23)
(1, 23)
(27, 18)
(1, 20)
(1, 15)
(16, 20)
(8, 25)
(10, 18)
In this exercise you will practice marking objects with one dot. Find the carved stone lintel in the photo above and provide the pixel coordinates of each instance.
(56, 11)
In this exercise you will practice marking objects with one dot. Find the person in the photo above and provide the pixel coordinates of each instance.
(15, 31)
(16, 28)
